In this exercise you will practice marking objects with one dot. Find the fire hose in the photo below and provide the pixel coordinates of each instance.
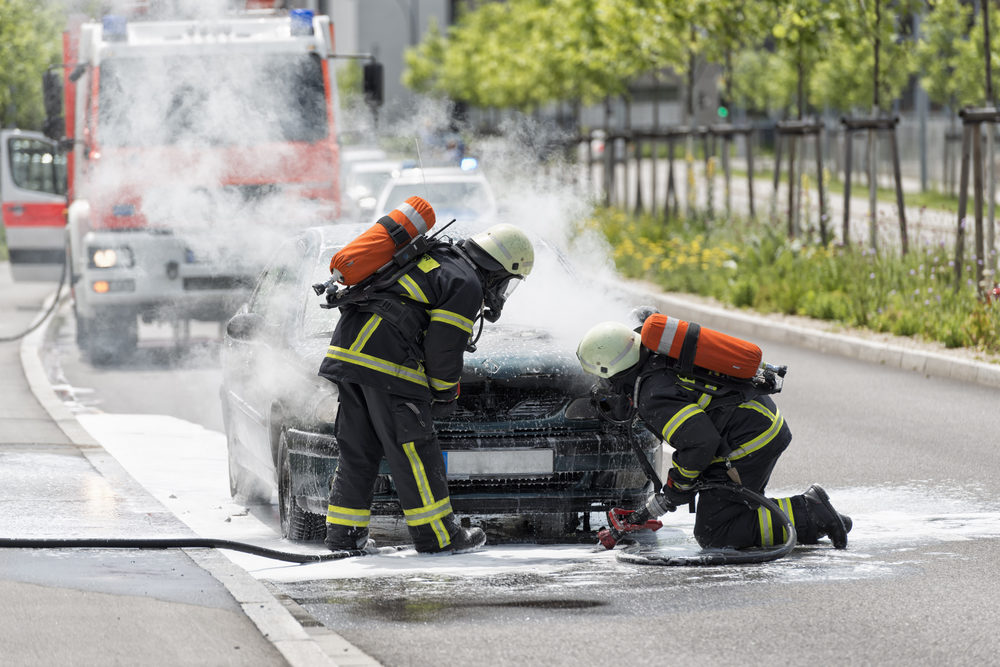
(621, 522)
(185, 543)
(45, 316)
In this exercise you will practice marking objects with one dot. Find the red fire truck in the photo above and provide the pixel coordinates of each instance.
(192, 146)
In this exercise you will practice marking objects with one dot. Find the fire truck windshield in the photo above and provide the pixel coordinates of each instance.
(211, 100)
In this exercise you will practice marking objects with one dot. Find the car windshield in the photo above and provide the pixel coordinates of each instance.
(225, 100)
(370, 181)
(319, 321)
(458, 197)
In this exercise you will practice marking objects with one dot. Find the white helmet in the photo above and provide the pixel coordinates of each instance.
(509, 246)
(608, 349)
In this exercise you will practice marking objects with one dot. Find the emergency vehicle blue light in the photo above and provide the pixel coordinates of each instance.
(302, 21)
(469, 163)
(115, 27)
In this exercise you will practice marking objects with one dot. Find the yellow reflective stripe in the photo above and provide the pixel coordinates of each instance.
(414, 375)
(704, 400)
(440, 385)
(427, 264)
(424, 487)
(412, 289)
(682, 416)
(366, 332)
(758, 407)
(454, 319)
(766, 528)
(761, 440)
(428, 513)
(348, 516)
(690, 474)
(785, 505)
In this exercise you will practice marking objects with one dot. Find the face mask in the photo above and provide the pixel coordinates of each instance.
(495, 296)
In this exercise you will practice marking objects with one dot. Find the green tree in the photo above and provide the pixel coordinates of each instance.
(869, 56)
(950, 54)
(29, 43)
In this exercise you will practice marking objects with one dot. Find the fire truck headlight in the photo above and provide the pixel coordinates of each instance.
(106, 258)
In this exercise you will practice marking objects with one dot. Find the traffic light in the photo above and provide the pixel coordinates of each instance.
(723, 109)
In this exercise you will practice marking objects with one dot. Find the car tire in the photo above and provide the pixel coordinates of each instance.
(109, 338)
(296, 523)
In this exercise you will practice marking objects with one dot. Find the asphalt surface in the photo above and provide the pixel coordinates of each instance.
(112, 607)
(921, 602)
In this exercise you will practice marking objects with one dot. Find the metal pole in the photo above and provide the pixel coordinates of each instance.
(823, 235)
(963, 201)
(977, 185)
(792, 185)
(777, 173)
(849, 150)
(749, 136)
(899, 190)
(872, 190)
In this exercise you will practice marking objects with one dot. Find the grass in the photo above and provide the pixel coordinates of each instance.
(753, 265)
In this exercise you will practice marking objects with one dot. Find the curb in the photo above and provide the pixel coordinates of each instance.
(298, 646)
(925, 362)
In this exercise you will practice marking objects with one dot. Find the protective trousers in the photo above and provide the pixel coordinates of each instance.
(725, 520)
(372, 423)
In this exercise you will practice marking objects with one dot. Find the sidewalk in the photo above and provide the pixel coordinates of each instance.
(110, 606)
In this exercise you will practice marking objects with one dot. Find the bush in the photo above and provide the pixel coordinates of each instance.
(753, 265)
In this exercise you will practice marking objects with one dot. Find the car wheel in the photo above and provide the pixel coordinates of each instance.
(296, 523)
(108, 338)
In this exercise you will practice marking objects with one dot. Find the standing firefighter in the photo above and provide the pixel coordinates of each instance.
(397, 358)
(703, 393)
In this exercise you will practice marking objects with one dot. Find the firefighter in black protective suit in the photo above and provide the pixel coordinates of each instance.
(739, 429)
(397, 359)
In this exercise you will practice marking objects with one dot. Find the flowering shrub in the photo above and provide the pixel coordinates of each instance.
(755, 266)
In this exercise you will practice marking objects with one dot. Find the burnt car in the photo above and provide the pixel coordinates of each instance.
(525, 439)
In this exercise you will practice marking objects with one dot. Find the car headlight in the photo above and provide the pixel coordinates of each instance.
(581, 408)
(106, 258)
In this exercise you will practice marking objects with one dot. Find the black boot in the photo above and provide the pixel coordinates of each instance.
(347, 538)
(824, 519)
(848, 524)
(463, 540)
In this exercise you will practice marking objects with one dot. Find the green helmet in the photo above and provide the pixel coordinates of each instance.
(509, 246)
(608, 349)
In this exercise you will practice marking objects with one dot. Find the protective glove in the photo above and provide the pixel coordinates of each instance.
(676, 493)
(443, 409)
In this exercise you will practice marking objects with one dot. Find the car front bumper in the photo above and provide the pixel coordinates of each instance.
(588, 472)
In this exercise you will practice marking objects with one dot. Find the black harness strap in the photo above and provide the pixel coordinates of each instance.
(686, 359)
(396, 231)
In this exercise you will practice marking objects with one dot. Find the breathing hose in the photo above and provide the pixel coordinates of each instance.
(185, 543)
(632, 552)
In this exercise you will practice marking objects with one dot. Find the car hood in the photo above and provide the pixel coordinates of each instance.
(515, 353)
(518, 356)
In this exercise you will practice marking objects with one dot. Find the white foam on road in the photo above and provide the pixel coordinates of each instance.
(185, 467)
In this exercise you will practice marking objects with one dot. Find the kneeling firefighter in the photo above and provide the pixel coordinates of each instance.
(705, 394)
(397, 358)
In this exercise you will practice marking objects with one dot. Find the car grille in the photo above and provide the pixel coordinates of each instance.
(506, 404)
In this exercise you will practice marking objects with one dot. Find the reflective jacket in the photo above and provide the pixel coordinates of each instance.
(409, 338)
(704, 429)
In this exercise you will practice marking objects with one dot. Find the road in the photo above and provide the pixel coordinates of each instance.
(907, 456)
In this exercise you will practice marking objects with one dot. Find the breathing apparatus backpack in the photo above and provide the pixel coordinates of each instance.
(381, 254)
(718, 361)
